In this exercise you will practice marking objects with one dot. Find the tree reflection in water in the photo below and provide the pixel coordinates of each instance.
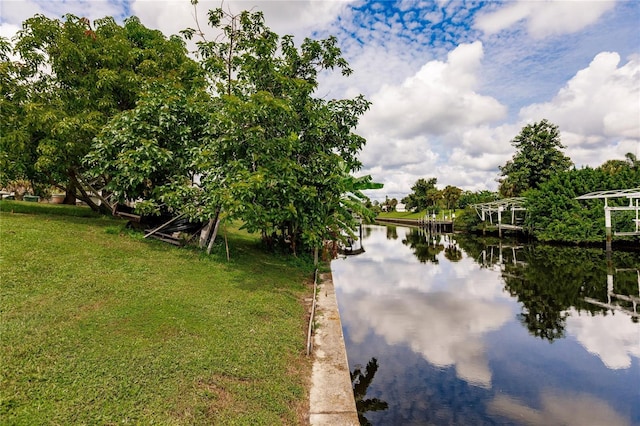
(452, 252)
(549, 280)
(392, 232)
(361, 383)
(425, 246)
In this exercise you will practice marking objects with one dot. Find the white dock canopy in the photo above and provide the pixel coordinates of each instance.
(515, 204)
(633, 194)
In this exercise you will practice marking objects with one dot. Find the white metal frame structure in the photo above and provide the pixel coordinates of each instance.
(614, 298)
(632, 194)
(486, 211)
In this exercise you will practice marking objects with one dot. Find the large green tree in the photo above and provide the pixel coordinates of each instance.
(268, 152)
(278, 157)
(537, 158)
(450, 195)
(72, 77)
(425, 195)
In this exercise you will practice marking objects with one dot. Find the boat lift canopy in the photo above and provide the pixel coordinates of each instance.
(633, 194)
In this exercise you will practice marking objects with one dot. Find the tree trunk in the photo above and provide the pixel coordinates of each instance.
(215, 232)
(206, 231)
(76, 185)
(69, 194)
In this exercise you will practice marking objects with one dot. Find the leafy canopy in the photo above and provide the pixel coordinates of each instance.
(555, 215)
(537, 158)
(264, 149)
(71, 79)
(425, 195)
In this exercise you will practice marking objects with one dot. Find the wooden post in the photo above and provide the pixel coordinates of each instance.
(164, 225)
(213, 236)
(204, 234)
(500, 221)
(610, 273)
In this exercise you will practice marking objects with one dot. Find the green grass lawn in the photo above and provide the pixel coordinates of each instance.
(99, 326)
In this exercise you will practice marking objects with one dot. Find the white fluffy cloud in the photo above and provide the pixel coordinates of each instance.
(440, 97)
(415, 125)
(599, 108)
(559, 409)
(14, 12)
(613, 338)
(284, 17)
(457, 323)
(545, 18)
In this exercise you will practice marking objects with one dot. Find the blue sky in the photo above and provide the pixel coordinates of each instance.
(451, 82)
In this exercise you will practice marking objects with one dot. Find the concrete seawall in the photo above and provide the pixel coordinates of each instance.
(331, 400)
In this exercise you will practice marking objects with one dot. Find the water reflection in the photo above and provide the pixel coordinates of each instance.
(488, 332)
(558, 409)
(551, 281)
(361, 382)
(424, 246)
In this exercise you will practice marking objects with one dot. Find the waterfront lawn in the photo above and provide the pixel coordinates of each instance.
(99, 326)
(46, 208)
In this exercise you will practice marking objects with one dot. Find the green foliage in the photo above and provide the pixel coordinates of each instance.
(467, 198)
(264, 149)
(468, 220)
(537, 158)
(149, 151)
(389, 204)
(450, 196)
(72, 78)
(425, 195)
(555, 215)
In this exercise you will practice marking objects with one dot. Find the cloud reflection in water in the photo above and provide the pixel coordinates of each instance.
(440, 313)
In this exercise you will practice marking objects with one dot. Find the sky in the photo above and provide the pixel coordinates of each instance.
(451, 82)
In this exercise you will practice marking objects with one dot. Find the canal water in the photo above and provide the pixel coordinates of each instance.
(458, 330)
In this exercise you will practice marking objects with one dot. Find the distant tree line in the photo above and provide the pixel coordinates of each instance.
(549, 182)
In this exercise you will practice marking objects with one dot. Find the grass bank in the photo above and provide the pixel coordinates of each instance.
(45, 208)
(100, 326)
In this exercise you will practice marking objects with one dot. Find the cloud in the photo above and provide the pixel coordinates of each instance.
(457, 310)
(454, 336)
(431, 118)
(13, 13)
(598, 108)
(559, 409)
(613, 338)
(298, 18)
(544, 18)
(439, 98)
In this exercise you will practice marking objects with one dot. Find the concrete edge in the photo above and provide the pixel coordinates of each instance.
(331, 400)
